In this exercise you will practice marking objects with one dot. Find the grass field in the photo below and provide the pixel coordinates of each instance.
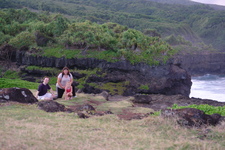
(25, 127)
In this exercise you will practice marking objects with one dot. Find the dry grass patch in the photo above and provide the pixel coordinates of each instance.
(26, 127)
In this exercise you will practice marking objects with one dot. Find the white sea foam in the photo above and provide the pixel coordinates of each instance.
(208, 87)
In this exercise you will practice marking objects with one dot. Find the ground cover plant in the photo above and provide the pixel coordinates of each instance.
(208, 109)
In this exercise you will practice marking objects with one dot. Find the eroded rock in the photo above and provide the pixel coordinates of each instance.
(191, 117)
(144, 99)
(21, 95)
(51, 106)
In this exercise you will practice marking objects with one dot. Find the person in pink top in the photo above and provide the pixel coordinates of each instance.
(69, 90)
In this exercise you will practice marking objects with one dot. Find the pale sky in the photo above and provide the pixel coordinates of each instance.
(218, 2)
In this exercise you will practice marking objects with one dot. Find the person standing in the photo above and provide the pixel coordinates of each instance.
(42, 92)
(64, 77)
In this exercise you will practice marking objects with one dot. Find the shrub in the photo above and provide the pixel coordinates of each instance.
(23, 39)
(208, 109)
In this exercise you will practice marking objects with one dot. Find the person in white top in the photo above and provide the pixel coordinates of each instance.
(64, 77)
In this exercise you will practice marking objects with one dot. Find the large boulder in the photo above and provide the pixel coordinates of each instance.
(21, 95)
(192, 117)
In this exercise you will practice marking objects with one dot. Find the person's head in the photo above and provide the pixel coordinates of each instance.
(65, 70)
(45, 80)
(68, 84)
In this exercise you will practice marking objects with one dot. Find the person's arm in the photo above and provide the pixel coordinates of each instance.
(71, 78)
(51, 91)
(71, 89)
(59, 82)
(36, 95)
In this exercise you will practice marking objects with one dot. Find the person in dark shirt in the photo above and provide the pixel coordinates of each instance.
(42, 92)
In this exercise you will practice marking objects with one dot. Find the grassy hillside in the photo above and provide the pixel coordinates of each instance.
(54, 35)
(171, 17)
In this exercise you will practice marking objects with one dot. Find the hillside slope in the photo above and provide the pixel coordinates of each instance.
(194, 22)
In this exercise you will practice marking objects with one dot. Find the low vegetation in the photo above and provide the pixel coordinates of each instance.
(208, 109)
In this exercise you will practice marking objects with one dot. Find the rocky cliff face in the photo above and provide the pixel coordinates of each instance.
(200, 64)
(166, 79)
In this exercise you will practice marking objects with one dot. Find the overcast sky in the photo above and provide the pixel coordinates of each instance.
(218, 2)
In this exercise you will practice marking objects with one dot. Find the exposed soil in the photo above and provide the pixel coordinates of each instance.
(126, 114)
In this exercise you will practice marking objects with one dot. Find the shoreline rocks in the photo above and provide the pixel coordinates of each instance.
(160, 102)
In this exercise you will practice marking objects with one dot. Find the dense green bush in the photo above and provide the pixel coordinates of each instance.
(4, 38)
(22, 39)
(208, 109)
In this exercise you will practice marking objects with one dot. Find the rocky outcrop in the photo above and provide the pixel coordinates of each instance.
(21, 95)
(51, 106)
(192, 117)
(160, 102)
(166, 79)
(202, 63)
(143, 99)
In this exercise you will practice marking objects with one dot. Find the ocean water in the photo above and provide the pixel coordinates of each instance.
(208, 87)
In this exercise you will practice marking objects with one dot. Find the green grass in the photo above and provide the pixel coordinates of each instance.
(144, 87)
(59, 52)
(50, 70)
(11, 74)
(9, 83)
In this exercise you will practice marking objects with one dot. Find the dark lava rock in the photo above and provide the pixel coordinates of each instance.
(144, 99)
(86, 107)
(21, 95)
(94, 78)
(51, 106)
(191, 117)
(160, 102)
(91, 90)
(82, 115)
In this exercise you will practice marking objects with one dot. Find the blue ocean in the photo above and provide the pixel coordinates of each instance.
(208, 87)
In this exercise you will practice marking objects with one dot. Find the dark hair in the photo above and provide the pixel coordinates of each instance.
(44, 78)
(65, 68)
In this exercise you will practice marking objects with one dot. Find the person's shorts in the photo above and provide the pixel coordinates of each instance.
(46, 96)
